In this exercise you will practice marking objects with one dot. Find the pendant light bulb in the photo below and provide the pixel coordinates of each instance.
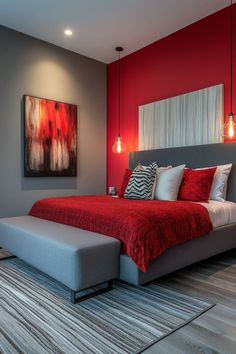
(229, 127)
(118, 146)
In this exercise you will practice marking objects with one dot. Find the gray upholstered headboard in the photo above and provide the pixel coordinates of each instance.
(192, 156)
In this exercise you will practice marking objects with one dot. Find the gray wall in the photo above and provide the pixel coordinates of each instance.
(31, 66)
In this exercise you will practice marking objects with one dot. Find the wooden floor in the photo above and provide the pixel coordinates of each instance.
(215, 330)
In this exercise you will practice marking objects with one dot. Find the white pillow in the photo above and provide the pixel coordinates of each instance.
(162, 169)
(219, 184)
(168, 182)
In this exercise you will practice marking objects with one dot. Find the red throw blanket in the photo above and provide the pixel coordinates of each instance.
(146, 228)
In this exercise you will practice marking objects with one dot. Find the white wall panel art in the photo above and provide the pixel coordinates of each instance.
(194, 118)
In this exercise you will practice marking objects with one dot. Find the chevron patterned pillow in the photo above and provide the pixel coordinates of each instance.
(141, 183)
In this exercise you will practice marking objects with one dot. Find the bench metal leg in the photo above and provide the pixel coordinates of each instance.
(75, 299)
(7, 257)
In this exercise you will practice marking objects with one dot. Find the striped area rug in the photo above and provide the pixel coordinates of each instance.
(36, 315)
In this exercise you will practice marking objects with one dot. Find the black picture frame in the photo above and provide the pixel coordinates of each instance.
(50, 137)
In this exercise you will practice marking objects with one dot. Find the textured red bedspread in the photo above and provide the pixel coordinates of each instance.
(145, 228)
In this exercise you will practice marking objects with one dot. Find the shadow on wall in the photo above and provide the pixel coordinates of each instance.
(42, 183)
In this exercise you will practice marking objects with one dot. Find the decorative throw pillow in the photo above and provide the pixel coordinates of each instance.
(158, 171)
(141, 183)
(125, 182)
(196, 184)
(168, 182)
(219, 185)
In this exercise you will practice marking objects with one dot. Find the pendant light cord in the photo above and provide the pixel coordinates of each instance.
(119, 96)
(231, 56)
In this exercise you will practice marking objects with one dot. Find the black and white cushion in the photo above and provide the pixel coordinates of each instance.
(141, 183)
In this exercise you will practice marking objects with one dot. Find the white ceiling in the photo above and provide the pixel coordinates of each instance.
(101, 25)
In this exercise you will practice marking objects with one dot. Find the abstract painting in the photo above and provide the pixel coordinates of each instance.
(50, 138)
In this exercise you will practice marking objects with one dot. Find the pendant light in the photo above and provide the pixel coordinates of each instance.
(229, 127)
(118, 146)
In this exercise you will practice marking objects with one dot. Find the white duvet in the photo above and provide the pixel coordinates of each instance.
(221, 213)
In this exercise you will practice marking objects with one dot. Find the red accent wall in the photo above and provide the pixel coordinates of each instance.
(190, 59)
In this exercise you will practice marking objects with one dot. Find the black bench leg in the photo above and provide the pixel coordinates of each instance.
(75, 299)
(7, 257)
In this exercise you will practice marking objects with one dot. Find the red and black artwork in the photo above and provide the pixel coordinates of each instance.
(50, 138)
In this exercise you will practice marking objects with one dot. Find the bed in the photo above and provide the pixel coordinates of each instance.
(221, 239)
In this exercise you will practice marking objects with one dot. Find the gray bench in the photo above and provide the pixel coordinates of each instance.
(77, 258)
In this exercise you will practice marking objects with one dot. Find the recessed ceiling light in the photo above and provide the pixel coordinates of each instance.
(68, 32)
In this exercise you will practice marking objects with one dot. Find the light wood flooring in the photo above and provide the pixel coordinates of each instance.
(215, 330)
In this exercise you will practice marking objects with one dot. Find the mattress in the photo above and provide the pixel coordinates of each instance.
(221, 213)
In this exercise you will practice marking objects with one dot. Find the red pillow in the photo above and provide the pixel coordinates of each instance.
(196, 184)
(125, 182)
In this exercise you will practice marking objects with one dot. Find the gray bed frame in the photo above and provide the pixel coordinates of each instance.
(217, 241)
